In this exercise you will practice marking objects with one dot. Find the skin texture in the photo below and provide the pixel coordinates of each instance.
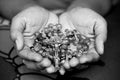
(23, 27)
(28, 17)
(90, 24)
(85, 20)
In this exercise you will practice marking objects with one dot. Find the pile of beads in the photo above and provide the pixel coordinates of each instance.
(60, 46)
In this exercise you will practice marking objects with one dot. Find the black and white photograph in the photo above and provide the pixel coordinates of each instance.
(59, 40)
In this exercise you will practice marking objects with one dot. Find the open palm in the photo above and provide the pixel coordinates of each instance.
(89, 24)
(24, 26)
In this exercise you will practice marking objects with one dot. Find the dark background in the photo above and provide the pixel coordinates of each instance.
(108, 68)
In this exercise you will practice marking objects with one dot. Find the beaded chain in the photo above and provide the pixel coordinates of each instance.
(60, 46)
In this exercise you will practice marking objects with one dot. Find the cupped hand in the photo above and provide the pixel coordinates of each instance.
(90, 24)
(24, 25)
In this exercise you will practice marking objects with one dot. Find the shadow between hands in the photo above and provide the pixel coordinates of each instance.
(80, 68)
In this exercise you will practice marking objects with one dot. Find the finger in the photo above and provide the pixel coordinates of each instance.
(27, 54)
(45, 62)
(101, 35)
(30, 65)
(53, 19)
(99, 45)
(19, 41)
(16, 30)
(74, 62)
(66, 65)
(91, 56)
(50, 69)
(66, 23)
(62, 71)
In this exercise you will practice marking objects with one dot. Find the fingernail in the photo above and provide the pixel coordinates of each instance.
(62, 71)
(46, 62)
(38, 58)
(17, 44)
(101, 48)
(66, 65)
(23, 61)
(74, 62)
(50, 69)
(83, 60)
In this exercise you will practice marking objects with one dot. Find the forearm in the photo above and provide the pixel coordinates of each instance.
(100, 6)
(9, 8)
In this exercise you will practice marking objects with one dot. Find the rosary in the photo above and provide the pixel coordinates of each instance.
(60, 46)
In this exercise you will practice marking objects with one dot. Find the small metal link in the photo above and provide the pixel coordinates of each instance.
(52, 43)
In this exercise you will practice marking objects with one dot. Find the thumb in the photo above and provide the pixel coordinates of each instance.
(16, 31)
(101, 35)
(19, 41)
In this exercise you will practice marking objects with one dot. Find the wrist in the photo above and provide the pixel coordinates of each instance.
(85, 7)
(32, 12)
(83, 10)
(79, 9)
(12, 7)
(24, 8)
(33, 8)
(96, 5)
